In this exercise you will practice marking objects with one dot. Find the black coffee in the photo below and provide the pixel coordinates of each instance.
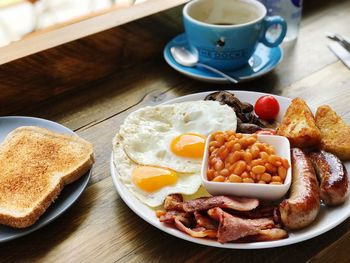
(224, 24)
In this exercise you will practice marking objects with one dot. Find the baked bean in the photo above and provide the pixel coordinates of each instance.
(243, 142)
(258, 177)
(230, 144)
(282, 172)
(229, 158)
(257, 162)
(239, 135)
(218, 165)
(264, 155)
(220, 139)
(221, 148)
(234, 178)
(210, 177)
(264, 148)
(266, 177)
(212, 160)
(236, 157)
(276, 178)
(285, 163)
(229, 133)
(248, 168)
(251, 140)
(271, 150)
(237, 146)
(232, 138)
(223, 153)
(270, 168)
(214, 144)
(219, 178)
(231, 168)
(258, 169)
(210, 174)
(253, 176)
(248, 180)
(275, 160)
(255, 151)
(239, 167)
(224, 172)
(261, 182)
(260, 146)
(245, 175)
(248, 157)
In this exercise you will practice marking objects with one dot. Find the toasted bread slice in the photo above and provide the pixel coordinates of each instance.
(335, 134)
(35, 164)
(298, 125)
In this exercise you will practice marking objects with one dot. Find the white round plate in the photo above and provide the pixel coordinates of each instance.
(69, 194)
(327, 219)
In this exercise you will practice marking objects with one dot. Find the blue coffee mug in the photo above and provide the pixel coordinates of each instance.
(225, 33)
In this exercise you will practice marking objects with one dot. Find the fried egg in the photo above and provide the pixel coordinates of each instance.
(151, 184)
(173, 136)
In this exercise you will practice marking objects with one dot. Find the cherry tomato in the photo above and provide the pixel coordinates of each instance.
(267, 107)
(266, 132)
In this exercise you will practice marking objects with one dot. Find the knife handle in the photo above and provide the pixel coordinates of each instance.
(343, 42)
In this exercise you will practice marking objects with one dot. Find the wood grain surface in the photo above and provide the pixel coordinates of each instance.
(122, 69)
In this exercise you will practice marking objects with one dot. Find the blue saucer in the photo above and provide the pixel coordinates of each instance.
(263, 61)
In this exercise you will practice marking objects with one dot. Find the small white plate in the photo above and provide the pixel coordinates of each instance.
(328, 218)
(69, 194)
(261, 191)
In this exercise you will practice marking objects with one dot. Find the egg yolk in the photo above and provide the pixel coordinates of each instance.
(188, 145)
(150, 178)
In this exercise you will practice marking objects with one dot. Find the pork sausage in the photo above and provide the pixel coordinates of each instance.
(303, 204)
(332, 175)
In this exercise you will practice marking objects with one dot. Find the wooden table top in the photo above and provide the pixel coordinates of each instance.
(92, 84)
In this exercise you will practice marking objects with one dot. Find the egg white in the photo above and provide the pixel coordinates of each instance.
(147, 133)
(186, 183)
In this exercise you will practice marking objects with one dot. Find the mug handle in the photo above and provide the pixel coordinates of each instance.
(267, 23)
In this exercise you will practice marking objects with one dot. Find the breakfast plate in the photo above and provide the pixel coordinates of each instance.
(328, 218)
(69, 194)
(262, 62)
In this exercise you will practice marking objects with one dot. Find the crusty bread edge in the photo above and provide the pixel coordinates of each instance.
(40, 208)
(33, 216)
